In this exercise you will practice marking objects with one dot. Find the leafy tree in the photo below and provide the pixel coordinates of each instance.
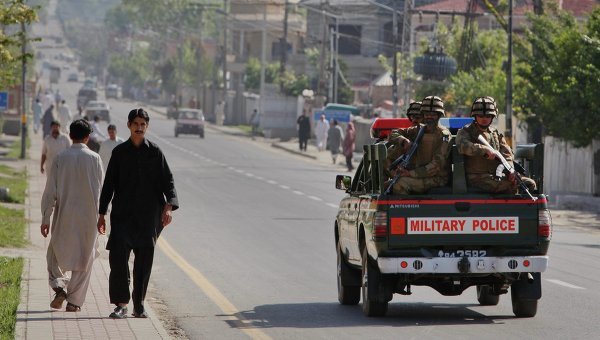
(12, 14)
(561, 70)
(131, 68)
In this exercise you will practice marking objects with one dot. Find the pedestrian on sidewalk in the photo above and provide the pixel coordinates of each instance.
(37, 115)
(47, 120)
(335, 136)
(64, 115)
(142, 190)
(348, 148)
(321, 129)
(303, 130)
(54, 144)
(71, 196)
(109, 144)
(255, 122)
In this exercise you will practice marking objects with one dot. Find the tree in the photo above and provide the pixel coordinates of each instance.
(12, 14)
(561, 70)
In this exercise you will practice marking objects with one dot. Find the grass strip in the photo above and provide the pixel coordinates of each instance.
(10, 293)
(12, 228)
(15, 181)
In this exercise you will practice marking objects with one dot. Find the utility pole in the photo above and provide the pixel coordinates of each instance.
(283, 42)
(406, 43)
(263, 60)
(508, 134)
(23, 87)
(395, 61)
(335, 61)
(224, 94)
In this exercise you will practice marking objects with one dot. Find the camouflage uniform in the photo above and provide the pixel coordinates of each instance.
(430, 166)
(414, 108)
(481, 172)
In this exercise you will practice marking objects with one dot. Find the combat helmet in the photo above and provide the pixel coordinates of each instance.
(484, 105)
(413, 109)
(433, 104)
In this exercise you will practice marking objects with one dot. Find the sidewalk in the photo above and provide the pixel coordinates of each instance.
(35, 319)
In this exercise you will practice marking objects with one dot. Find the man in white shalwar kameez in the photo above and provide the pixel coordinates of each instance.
(321, 129)
(71, 196)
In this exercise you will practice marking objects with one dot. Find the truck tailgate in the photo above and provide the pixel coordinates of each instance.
(463, 222)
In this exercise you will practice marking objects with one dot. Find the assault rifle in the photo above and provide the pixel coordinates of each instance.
(404, 160)
(507, 167)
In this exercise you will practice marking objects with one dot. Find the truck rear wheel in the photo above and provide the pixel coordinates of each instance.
(347, 294)
(523, 308)
(371, 286)
(485, 296)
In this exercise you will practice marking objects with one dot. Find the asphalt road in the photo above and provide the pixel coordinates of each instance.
(250, 253)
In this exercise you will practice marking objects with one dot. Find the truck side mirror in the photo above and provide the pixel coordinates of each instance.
(342, 182)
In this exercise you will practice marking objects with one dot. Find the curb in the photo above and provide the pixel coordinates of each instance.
(281, 147)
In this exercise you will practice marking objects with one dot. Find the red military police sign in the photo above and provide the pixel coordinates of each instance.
(463, 225)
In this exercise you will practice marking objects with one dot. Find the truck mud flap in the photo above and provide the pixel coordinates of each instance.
(528, 287)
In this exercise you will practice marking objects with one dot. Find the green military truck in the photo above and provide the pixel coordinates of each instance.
(450, 239)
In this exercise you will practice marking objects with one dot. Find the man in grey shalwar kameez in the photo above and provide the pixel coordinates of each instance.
(72, 192)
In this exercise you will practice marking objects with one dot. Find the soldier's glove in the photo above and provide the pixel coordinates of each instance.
(499, 172)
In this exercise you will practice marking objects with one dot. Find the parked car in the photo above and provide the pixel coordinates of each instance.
(73, 77)
(112, 91)
(97, 108)
(189, 121)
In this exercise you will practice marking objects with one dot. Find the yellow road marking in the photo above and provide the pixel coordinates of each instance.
(211, 291)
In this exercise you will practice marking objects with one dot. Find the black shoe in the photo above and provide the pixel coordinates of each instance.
(142, 315)
(119, 313)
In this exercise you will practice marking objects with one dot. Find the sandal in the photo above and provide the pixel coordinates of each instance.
(72, 308)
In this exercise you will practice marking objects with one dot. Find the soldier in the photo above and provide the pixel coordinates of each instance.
(414, 115)
(480, 161)
(429, 168)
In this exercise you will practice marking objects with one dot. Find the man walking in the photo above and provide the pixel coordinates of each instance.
(54, 143)
(64, 114)
(303, 130)
(142, 190)
(37, 115)
(109, 144)
(71, 196)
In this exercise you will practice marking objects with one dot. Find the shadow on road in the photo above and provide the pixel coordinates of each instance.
(322, 315)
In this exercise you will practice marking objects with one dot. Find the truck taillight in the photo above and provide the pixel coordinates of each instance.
(380, 224)
(545, 224)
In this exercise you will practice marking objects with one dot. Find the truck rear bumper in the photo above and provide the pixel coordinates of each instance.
(450, 265)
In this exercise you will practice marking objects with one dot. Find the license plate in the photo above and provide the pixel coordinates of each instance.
(463, 253)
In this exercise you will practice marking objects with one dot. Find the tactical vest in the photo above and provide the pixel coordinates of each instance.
(480, 164)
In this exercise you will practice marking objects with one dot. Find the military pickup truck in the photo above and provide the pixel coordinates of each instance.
(449, 239)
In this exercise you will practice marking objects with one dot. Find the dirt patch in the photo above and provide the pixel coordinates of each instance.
(161, 309)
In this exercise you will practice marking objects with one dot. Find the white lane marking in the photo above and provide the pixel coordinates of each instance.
(564, 284)
(285, 187)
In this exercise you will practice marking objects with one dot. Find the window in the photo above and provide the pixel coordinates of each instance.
(349, 41)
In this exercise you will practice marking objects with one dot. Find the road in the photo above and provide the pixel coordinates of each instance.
(251, 254)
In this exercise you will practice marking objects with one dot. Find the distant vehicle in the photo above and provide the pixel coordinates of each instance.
(73, 77)
(189, 121)
(54, 74)
(112, 91)
(97, 108)
(85, 95)
(89, 83)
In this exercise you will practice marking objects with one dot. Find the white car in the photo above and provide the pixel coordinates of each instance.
(112, 91)
(97, 108)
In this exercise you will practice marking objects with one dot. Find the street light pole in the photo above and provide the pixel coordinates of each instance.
(395, 66)
(509, 134)
(23, 88)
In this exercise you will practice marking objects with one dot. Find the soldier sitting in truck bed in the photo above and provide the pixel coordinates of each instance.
(480, 161)
(414, 115)
(429, 168)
